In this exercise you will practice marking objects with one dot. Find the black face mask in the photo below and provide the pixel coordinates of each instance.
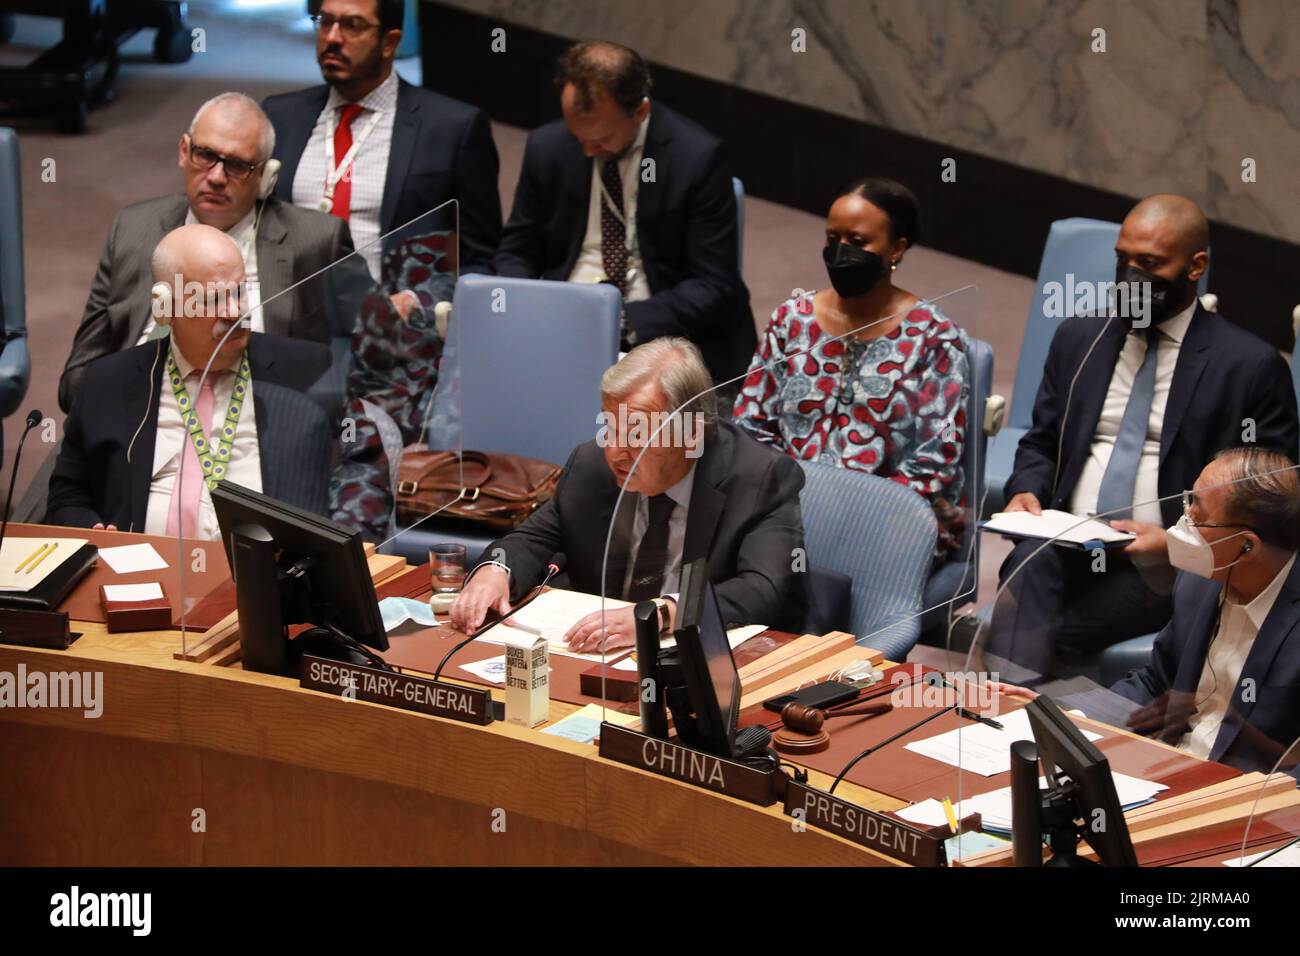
(853, 272)
(1166, 294)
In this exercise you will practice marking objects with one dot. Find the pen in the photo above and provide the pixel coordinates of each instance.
(952, 815)
(42, 558)
(30, 556)
(971, 715)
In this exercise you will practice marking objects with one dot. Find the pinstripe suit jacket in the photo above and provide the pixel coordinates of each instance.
(94, 480)
(292, 244)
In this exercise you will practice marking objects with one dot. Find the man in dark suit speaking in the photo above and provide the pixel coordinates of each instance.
(629, 192)
(141, 419)
(703, 489)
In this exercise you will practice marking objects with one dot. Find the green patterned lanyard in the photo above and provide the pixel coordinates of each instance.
(214, 466)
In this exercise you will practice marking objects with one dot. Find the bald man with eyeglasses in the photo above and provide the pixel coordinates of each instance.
(229, 174)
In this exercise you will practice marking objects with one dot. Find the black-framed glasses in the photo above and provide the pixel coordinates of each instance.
(351, 26)
(201, 157)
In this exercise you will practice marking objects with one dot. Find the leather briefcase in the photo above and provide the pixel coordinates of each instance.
(491, 489)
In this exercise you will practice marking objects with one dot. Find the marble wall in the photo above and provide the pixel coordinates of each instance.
(1183, 93)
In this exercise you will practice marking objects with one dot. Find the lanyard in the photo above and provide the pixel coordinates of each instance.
(334, 173)
(214, 466)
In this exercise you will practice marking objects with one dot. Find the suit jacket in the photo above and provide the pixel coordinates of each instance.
(1223, 376)
(442, 149)
(292, 244)
(685, 222)
(744, 518)
(1263, 717)
(94, 480)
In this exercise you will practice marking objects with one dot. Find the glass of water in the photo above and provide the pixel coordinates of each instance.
(447, 567)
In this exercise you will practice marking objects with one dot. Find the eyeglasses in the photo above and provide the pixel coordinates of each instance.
(201, 157)
(351, 26)
(1189, 502)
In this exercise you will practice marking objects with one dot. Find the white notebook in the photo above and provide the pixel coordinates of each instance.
(1059, 525)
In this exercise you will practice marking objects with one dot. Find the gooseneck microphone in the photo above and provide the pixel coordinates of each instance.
(34, 418)
(555, 566)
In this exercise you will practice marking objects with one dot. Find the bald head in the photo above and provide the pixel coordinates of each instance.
(197, 253)
(1177, 219)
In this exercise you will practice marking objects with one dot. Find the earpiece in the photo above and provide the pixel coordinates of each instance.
(1248, 546)
(270, 173)
(161, 296)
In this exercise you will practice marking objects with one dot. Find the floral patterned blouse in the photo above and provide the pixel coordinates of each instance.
(893, 406)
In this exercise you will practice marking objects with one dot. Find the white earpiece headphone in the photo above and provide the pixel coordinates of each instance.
(270, 173)
(161, 303)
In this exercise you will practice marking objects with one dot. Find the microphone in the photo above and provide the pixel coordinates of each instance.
(34, 418)
(553, 567)
(962, 711)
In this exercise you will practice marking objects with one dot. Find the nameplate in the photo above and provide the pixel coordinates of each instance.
(471, 705)
(864, 827)
(691, 766)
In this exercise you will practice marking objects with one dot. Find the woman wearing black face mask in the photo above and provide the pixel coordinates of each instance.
(865, 374)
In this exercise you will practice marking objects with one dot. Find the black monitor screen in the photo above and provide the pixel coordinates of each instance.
(710, 670)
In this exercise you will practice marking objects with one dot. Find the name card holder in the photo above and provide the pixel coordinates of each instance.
(875, 831)
(470, 705)
(32, 628)
(669, 759)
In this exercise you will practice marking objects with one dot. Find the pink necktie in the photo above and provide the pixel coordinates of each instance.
(185, 514)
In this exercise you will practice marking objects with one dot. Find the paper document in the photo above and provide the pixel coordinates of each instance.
(984, 750)
(133, 592)
(26, 562)
(551, 616)
(584, 725)
(994, 808)
(1065, 527)
(130, 558)
(1288, 856)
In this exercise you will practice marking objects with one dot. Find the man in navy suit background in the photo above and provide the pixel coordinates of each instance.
(1130, 409)
(413, 149)
(625, 190)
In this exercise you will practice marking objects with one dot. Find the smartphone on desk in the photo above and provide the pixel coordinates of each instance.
(823, 695)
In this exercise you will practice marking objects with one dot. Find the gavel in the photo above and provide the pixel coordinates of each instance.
(809, 720)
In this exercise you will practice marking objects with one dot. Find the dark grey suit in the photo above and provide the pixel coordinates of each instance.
(292, 244)
(95, 481)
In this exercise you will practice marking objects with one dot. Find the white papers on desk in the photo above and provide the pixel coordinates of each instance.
(984, 750)
(133, 592)
(735, 636)
(551, 616)
(17, 551)
(1290, 856)
(1061, 525)
(994, 808)
(130, 558)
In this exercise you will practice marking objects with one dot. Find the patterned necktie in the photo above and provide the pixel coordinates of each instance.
(652, 557)
(613, 232)
(343, 143)
(184, 514)
(1115, 496)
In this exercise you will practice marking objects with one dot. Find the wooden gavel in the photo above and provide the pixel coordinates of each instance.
(809, 720)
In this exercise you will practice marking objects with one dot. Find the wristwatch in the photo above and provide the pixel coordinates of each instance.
(664, 620)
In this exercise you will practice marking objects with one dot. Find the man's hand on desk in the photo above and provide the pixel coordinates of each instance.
(488, 589)
(1025, 501)
(1167, 717)
(620, 624)
(100, 526)
(1149, 546)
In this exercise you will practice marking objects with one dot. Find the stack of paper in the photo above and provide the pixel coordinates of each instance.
(1059, 525)
(979, 748)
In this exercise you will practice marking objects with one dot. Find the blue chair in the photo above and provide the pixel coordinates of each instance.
(15, 360)
(1084, 248)
(522, 376)
(738, 188)
(881, 535)
(1116, 661)
(956, 582)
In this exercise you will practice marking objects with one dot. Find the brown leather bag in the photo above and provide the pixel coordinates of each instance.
(496, 490)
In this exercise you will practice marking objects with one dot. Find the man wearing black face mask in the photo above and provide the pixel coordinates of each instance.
(1130, 409)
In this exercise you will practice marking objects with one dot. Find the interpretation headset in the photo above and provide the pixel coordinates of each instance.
(270, 173)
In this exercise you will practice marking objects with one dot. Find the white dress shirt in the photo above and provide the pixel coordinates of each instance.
(1146, 487)
(1238, 627)
(681, 494)
(245, 466)
(590, 266)
(244, 233)
(369, 167)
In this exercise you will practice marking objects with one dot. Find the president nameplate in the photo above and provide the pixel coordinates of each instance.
(875, 831)
(470, 705)
(669, 759)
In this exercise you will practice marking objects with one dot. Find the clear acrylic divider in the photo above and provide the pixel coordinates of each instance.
(1271, 837)
(390, 343)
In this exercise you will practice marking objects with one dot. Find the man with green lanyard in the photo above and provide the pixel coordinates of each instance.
(141, 421)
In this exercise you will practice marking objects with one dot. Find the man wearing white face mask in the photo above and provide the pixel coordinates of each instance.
(1223, 681)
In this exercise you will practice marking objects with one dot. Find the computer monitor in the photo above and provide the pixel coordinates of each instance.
(294, 567)
(1080, 788)
(708, 669)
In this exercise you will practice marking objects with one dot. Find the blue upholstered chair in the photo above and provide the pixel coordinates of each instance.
(521, 375)
(881, 535)
(15, 361)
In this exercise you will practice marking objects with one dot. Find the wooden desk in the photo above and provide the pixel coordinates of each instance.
(195, 764)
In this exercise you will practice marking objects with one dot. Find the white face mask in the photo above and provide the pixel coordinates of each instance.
(1190, 552)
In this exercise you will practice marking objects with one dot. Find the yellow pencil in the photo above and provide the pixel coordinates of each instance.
(30, 556)
(952, 815)
(42, 557)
